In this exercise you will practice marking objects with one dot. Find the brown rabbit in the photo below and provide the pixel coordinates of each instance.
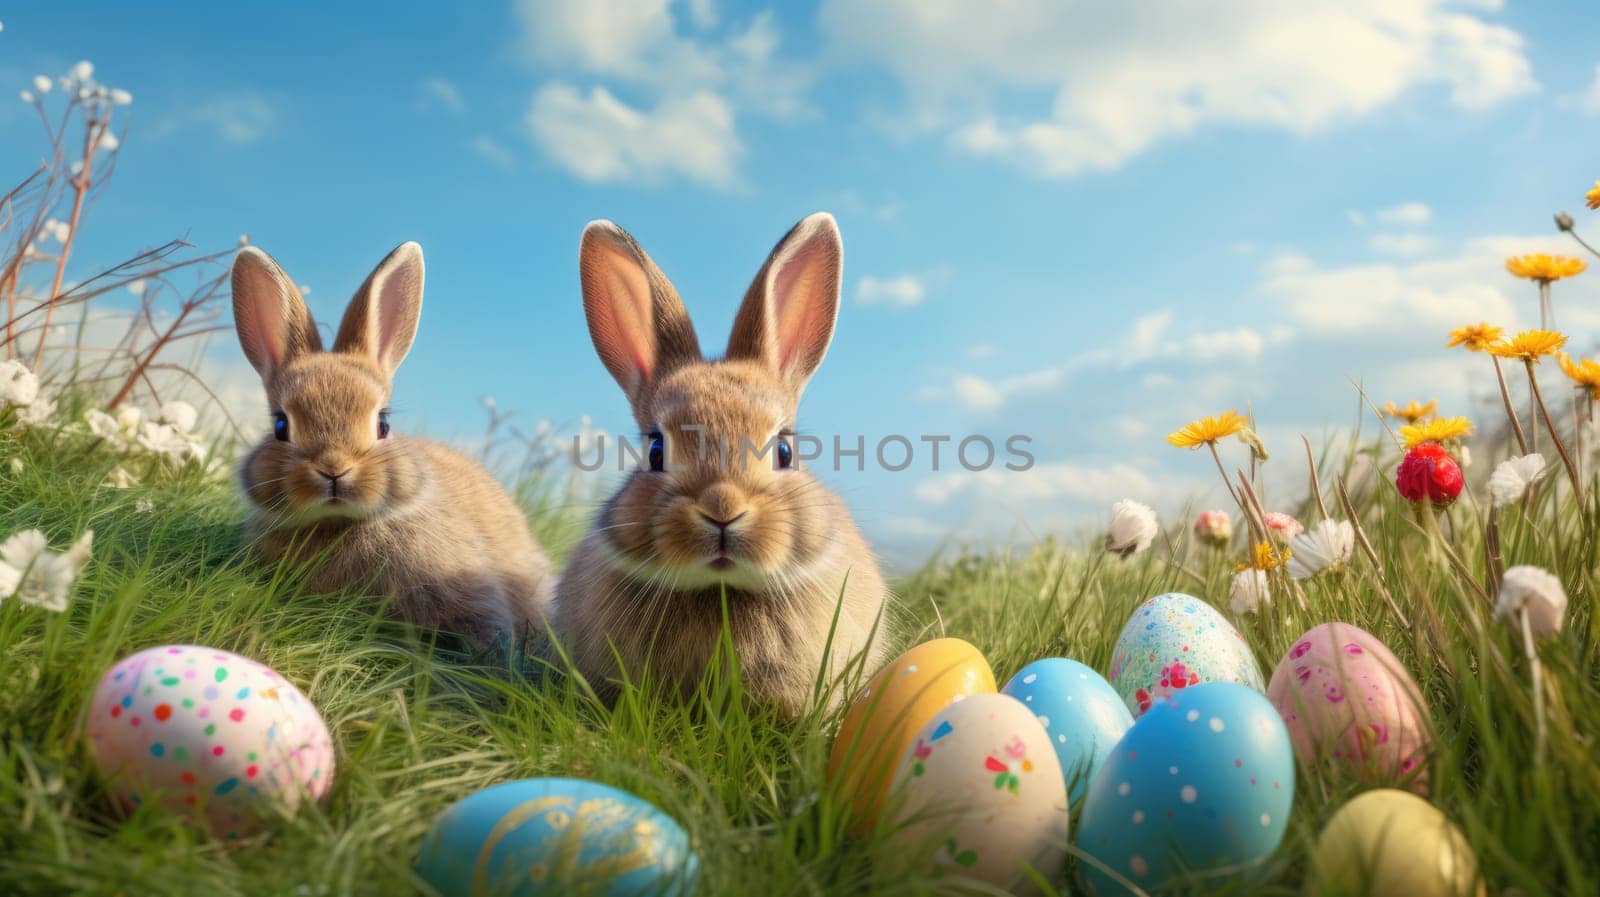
(648, 580)
(401, 516)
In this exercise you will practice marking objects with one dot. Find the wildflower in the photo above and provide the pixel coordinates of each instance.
(165, 441)
(179, 415)
(109, 142)
(1326, 546)
(119, 478)
(1444, 429)
(17, 466)
(1207, 430)
(120, 97)
(1265, 556)
(1511, 479)
(1564, 221)
(18, 385)
(1544, 267)
(1249, 591)
(1214, 528)
(137, 287)
(26, 96)
(144, 506)
(128, 419)
(36, 412)
(1411, 412)
(1428, 472)
(1592, 198)
(1281, 526)
(104, 426)
(1133, 528)
(1536, 592)
(1585, 372)
(1530, 345)
(35, 576)
(83, 71)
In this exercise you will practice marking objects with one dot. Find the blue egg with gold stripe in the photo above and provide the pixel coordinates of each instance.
(557, 836)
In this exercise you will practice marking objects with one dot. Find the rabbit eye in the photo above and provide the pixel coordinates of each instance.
(785, 454)
(280, 426)
(658, 453)
(383, 424)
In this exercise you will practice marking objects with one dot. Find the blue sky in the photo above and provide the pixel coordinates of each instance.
(1067, 220)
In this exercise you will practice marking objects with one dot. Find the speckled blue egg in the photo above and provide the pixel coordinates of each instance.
(557, 836)
(1173, 642)
(1082, 713)
(1201, 786)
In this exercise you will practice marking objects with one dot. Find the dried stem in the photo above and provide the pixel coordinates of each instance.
(1572, 471)
(80, 189)
(1316, 487)
(1372, 556)
(1511, 412)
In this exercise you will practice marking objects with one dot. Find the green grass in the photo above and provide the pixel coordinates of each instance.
(416, 731)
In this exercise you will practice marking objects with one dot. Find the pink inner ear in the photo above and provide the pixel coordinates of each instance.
(802, 291)
(617, 292)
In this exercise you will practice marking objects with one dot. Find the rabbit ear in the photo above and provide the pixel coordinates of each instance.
(382, 319)
(639, 325)
(788, 315)
(273, 322)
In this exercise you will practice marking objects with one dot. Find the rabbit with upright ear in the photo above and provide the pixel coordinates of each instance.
(402, 517)
(722, 507)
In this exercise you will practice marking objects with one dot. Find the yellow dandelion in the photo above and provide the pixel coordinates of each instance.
(1585, 372)
(1411, 412)
(1475, 337)
(1592, 198)
(1544, 267)
(1265, 556)
(1207, 430)
(1530, 345)
(1444, 429)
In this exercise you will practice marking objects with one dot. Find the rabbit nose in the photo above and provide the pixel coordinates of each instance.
(722, 525)
(334, 477)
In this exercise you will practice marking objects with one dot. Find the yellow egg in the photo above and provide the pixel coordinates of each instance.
(881, 721)
(1392, 843)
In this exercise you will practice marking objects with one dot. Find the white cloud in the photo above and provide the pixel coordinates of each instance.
(902, 290)
(601, 138)
(439, 93)
(1042, 483)
(1407, 213)
(1429, 294)
(688, 81)
(1125, 77)
(1148, 341)
(493, 152)
(239, 117)
(980, 351)
(1405, 245)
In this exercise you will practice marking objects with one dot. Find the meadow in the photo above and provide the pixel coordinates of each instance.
(1515, 717)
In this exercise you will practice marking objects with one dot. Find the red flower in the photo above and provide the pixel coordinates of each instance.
(1428, 472)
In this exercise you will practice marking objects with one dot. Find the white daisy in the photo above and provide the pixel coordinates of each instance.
(1536, 592)
(34, 575)
(1327, 545)
(1133, 528)
(1511, 478)
(1249, 591)
(179, 415)
(18, 385)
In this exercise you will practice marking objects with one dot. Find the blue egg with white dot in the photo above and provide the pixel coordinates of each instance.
(1080, 711)
(1198, 792)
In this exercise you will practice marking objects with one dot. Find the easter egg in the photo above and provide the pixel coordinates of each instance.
(1349, 703)
(1173, 642)
(1082, 713)
(1200, 787)
(1390, 843)
(208, 734)
(980, 795)
(557, 836)
(880, 722)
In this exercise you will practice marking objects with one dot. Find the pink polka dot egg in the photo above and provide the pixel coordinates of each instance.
(210, 735)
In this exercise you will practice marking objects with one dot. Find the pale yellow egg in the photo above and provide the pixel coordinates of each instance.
(1391, 843)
